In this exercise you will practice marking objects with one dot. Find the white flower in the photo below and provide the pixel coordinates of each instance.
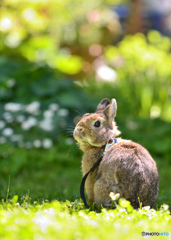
(2, 124)
(32, 121)
(37, 143)
(29, 123)
(33, 108)
(8, 117)
(50, 211)
(7, 132)
(47, 143)
(46, 124)
(146, 208)
(48, 114)
(164, 207)
(63, 112)
(114, 196)
(20, 118)
(54, 106)
(13, 107)
(26, 126)
(43, 221)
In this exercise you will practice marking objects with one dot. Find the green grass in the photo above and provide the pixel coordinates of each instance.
(41, 173)
(70, 220)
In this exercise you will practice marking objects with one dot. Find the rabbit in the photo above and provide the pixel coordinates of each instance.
(126, 168)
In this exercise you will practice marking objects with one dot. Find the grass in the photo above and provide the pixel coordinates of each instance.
(70, 220)
(41, 173)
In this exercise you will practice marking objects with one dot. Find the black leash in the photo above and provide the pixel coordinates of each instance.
(109, 143)
(84, 179)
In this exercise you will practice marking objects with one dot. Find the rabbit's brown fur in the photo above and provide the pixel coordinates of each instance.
(127, 168)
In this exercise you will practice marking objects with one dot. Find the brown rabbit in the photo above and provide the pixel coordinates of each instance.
(126, 168)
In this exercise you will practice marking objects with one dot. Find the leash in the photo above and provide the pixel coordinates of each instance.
(82, 194)
(84, 179)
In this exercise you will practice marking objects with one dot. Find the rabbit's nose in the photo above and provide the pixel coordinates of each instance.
(80, 129)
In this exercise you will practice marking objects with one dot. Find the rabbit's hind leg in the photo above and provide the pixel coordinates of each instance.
(102, 190)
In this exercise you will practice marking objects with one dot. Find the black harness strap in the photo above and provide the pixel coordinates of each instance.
(108, 144)
(84, 179)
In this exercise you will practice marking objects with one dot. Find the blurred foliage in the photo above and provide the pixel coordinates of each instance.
(25, 82)
(80, 42)
(143, 76)
(55, 32)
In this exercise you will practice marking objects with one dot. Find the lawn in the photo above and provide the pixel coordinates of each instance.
(70, 220)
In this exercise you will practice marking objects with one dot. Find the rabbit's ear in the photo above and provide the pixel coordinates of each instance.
(103, 104)
(110, 111)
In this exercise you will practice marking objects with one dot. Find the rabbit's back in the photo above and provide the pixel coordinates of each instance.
(127, 168)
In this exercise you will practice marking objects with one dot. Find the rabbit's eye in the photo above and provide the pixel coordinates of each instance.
(97, 124)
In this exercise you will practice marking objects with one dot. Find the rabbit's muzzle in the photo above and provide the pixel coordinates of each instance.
(79, 135)
(79, 132)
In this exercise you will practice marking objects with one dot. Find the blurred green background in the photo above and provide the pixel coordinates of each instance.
(58, 59)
